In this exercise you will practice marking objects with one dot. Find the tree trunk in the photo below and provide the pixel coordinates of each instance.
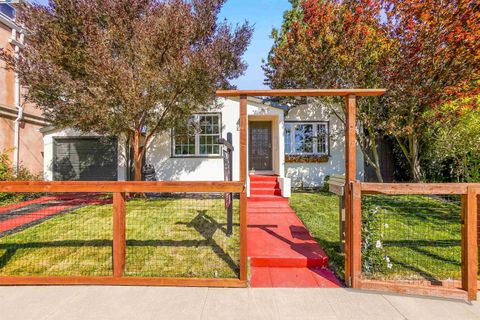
(414, 158)
(138, 154)
(361, 140)
(376, 159)
(412, 155)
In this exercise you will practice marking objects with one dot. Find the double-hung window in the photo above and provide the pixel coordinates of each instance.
(306, 138)
(198, 137)
(8, 11)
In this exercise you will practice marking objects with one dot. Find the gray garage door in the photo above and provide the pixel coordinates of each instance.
(85, 159)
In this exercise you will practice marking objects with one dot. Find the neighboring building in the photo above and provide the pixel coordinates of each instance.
(301, 146)
(19, 122)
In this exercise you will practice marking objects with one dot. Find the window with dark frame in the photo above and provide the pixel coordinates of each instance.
(306, 138)
(199, 137)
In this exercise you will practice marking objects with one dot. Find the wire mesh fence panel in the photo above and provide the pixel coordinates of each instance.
(412, 239)
(182, 236)
(56, 235)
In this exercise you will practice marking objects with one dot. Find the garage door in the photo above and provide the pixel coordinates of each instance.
(85, 159)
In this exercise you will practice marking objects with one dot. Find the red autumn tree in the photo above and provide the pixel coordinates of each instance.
(334, 44)
(127, 67)
(436, 60)
(425, 53)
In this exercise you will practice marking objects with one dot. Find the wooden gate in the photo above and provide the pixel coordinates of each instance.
(400, 231)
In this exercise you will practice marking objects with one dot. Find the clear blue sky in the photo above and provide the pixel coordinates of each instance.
(264, 14)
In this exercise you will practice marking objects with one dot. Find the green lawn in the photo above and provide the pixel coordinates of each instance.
(319, 213)
(405, 237)
(165, 237)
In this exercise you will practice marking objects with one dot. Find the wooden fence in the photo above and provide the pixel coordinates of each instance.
(119, 191)
(470, 196)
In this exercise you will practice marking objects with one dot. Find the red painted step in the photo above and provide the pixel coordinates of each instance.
(267, 198)
(293, 278)
(281, 240)
(266, 191)
(263, 178)
(264, 184)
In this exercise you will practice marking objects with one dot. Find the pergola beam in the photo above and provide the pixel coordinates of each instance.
(302, 93)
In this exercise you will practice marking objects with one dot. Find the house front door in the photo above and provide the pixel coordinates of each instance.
(260, 146)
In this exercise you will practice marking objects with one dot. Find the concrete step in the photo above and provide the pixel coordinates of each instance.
(264, 184)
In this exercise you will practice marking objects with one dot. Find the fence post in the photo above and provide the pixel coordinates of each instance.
(469, 243)
(356, 227)
(243, 195)
(350, 176)
(119, 236)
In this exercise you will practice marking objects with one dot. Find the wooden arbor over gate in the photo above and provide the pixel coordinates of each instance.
(350, 96)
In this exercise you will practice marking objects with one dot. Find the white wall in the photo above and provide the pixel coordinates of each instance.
(313, 174)
(168, 168)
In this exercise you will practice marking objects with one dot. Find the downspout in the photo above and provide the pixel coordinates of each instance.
(18, 120)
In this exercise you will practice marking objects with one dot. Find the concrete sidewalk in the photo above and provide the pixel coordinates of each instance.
(70, 303)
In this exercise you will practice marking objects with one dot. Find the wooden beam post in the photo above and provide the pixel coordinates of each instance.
(119, 234)
(243, 194)
(469, 242)
(350, 177)
(356, 226)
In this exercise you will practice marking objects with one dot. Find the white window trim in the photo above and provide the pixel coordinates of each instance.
(315, 125)
(197, 139)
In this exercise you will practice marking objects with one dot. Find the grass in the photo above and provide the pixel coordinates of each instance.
(319, 213)
(420, 235)
(165, 237)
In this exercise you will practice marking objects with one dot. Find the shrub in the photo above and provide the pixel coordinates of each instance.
(326, 187)
(7, 173)
(374, 258)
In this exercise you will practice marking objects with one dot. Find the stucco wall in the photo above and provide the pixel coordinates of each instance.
(7, 78)
(31, 147)
(313, 174)
(30, 139)
(168, 168)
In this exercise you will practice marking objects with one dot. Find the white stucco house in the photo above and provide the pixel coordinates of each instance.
(300, 145)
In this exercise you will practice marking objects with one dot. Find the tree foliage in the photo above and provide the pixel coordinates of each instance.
(425, 53)
(334, 44)
(436, 60)
(127, 67)
(454, 136)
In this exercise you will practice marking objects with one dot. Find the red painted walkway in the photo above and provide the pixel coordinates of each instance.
(282, 252)
(22, 214)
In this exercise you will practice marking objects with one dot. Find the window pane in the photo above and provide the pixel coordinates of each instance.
(304, 138)
(322, 137)
(209, 134)
(185, 139)
(288, 138)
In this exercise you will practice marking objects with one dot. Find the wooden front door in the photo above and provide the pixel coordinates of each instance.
(260, 145)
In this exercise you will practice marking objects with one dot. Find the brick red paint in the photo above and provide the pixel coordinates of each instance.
(65, 204)
(282, 252)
